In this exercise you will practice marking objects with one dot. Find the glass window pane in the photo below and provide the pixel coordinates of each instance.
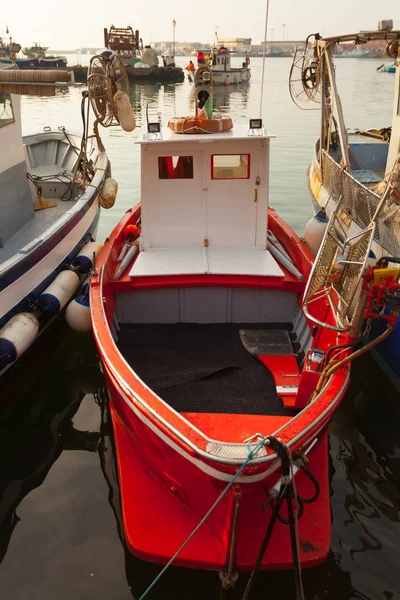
(230, 166)
(175, 167)
(6, 109)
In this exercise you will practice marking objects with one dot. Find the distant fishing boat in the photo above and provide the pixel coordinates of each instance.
(355, 167)
(387, 68)
(140, 62)
(52, 188)
(222, 70)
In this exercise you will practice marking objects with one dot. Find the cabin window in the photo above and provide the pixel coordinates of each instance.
(230, 166)
(6, 109)
(175, 167)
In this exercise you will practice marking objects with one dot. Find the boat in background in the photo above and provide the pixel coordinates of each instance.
(140, 62)
(222, 71)
(223, 365)
(356, 167)
(53, 183)
(387, 68)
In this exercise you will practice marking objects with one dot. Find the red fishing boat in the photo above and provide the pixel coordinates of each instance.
(223, 368)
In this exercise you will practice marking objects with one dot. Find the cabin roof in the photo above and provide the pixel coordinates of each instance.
(238, 132)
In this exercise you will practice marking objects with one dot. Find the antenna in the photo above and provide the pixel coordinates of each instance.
(264, 53)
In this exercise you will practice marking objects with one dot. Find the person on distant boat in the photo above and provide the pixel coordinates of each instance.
(200, 58)
(190, 66)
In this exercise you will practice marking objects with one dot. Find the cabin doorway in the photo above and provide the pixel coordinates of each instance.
(232, 200)
(173, 214)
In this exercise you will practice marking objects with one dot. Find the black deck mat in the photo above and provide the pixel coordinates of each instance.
(266, 342)
(200, 368)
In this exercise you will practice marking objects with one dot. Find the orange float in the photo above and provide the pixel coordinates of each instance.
(197, 125)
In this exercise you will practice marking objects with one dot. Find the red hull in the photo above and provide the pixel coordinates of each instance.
(169, 480)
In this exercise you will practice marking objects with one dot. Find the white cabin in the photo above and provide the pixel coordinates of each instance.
(205, 204)
(16, 206)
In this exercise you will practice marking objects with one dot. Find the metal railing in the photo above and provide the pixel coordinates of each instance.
(360, 203)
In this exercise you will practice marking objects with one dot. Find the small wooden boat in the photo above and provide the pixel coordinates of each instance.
(355, 165)
(221, 384)
(52, 188)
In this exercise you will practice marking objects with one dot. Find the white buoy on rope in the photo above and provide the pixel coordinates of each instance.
(108, 193)
(124, 111)
(16, 336)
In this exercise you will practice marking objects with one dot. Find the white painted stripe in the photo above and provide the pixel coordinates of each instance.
(15, 292)
(286, 389)
(195, 461)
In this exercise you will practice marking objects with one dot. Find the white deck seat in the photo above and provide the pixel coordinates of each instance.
(218, 261)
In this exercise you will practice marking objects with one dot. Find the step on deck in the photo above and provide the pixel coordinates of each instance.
(274, 349)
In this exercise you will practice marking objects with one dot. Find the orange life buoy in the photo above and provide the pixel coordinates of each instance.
(197, 125)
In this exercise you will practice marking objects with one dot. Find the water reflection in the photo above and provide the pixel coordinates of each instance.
(226, 96)
(365, 442)
(39, 428)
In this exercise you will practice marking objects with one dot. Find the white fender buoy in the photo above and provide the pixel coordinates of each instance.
(86, 257)
(108, 193)
(56, 296)
(77, 314)
(124, 111)
(315, 230)
(126, 261)
(16, 336)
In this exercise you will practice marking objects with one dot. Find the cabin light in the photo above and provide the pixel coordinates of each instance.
(255, 124)
(153, 128)
(255, 127)
(154, 131)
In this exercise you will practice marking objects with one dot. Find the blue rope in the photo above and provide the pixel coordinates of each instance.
(250, 457)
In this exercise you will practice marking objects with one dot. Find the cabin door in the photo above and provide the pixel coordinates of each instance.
(172, 199)
(232, 201)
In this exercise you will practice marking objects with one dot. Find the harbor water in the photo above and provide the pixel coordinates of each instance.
(60, 527)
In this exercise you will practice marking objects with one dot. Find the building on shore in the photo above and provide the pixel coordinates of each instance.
(236, 44)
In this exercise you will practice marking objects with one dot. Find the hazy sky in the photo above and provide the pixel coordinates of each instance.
(78, 23)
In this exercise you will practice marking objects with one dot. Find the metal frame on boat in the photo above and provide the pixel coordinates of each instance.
(354, 168)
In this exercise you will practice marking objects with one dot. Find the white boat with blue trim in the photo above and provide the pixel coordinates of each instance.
(52, 185)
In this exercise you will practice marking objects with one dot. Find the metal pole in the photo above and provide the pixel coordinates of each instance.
(173, 38)
(340, 120)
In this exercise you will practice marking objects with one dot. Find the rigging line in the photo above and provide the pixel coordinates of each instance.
(264, 53)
